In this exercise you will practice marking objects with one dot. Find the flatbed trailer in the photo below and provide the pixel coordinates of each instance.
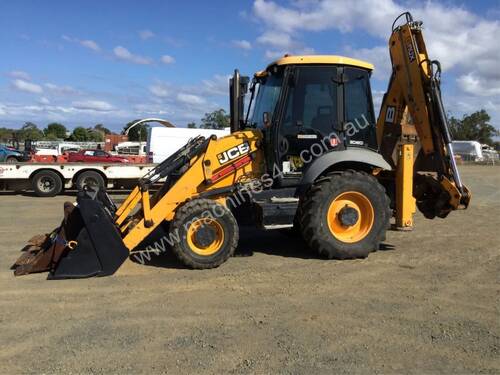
(48, 180)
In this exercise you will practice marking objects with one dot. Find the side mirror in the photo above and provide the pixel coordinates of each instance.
(266, 119)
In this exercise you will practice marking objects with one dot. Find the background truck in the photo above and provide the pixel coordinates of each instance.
(48, 180)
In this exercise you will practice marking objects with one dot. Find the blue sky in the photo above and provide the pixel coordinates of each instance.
(88, 62)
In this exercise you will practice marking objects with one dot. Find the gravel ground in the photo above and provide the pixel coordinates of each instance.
(427, 303)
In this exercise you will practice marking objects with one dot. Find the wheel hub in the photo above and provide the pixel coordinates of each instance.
(348, 216)
(45, 184)
(205, 235)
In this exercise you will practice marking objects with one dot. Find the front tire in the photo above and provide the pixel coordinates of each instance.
(207, 234)
(345, 215)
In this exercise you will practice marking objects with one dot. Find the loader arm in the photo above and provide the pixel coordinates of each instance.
(413, 133)
(204, 168)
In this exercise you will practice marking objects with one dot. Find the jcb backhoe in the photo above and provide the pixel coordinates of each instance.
(308, 154)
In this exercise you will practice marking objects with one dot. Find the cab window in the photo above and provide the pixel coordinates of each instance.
(268, 93)
(359, 117)
(311, 105)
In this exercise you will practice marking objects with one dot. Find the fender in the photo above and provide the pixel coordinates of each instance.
(356, 155)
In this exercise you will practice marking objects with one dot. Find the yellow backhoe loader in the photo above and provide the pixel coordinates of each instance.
(308, 155)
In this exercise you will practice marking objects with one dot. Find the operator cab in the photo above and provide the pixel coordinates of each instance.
(307, 106)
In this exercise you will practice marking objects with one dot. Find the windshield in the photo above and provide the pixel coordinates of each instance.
(267, 97)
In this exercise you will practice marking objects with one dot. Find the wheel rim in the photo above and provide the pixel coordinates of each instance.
(346, 208)
(199, 247)
(46, 184)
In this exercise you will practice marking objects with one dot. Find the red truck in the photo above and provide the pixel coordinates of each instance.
(95, 156)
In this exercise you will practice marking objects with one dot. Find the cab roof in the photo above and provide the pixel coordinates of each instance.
(320, 59)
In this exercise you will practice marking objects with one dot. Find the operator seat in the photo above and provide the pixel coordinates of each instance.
(324, 119)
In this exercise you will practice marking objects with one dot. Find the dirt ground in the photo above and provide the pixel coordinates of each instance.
(427, 303)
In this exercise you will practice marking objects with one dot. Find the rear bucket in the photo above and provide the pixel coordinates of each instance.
(86, 244)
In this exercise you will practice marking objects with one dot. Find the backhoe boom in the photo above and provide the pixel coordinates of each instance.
(413, 123)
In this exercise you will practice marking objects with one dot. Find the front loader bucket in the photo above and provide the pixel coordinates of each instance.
(86, 244)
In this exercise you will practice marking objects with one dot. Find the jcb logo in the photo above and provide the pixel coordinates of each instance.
(411, 51)
(233, 153)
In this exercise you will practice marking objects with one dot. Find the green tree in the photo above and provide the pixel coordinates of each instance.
(80, 134)
(55, 130)
(29, 131)
(217, 119)
(473, 127)
(191, 125)
(95, 135)
(51, 137)
(101, 128)
(137, 133)
(7, 134)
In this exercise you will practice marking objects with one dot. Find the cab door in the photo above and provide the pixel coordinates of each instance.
(311, 117)
(359, 118)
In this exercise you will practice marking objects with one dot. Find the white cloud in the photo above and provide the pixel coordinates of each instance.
(124, 54)
(460, 39)
(20, 74)
(327, 14)
(93, 105)
(377, 97)
(87, 43)
(474, 84)
(167, 59)
(90, 44)
(3, 112)
(44, 100)
(160, 90)
(274, 55)
(61, 90)
(279, 43)
(146, 34)
(217, 85)
(22, 85)
(276, 39)
(190, 99)
(378, 56)
(243, 44)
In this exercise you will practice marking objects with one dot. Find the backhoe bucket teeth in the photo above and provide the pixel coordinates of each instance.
(86, 244)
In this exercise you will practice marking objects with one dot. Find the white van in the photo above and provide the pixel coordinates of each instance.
(468, 150)
(163, 142)
(59, 149)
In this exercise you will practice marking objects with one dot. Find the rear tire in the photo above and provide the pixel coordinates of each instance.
(207, 234)
(345, 215)
(91, 178)
(47, 184)
(11, 160)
